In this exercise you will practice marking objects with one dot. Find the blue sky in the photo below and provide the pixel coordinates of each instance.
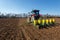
(51, 7)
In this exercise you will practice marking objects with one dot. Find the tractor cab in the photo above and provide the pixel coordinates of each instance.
(35, 12)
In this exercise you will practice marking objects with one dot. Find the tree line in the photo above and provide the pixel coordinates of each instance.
(21, 15)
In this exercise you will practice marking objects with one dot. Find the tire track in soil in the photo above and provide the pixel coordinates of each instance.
(39, 34)
(31, 33)
(21, 34)
(25, 32)
(35, 31)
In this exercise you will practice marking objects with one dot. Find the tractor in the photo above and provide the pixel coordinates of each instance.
(39, 21)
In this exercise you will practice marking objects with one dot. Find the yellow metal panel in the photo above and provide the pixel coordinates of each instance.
(35, 22)
(50, 21)
(43, 21)
(53, 20)
(39, 21)
(46, 21)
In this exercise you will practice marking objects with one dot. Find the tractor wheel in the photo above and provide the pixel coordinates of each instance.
(32, 19)
(28, 19)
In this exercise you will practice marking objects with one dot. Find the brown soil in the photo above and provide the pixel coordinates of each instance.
(18, 29)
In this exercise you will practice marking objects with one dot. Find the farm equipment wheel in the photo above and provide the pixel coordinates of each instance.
(28, 20)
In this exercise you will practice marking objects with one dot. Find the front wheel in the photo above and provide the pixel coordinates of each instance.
(28, 19)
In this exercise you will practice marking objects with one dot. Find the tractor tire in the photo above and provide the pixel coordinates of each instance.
(28, 20)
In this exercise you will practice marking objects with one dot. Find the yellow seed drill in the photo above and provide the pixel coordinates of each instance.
(46, 21)
(50, 21)
(53, 20)
(35, 22)
(39, 21)
(43, 21)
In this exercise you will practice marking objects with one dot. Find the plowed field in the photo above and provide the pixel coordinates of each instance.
(18, 29)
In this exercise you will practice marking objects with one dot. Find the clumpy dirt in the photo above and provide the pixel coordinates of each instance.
(18, 29)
